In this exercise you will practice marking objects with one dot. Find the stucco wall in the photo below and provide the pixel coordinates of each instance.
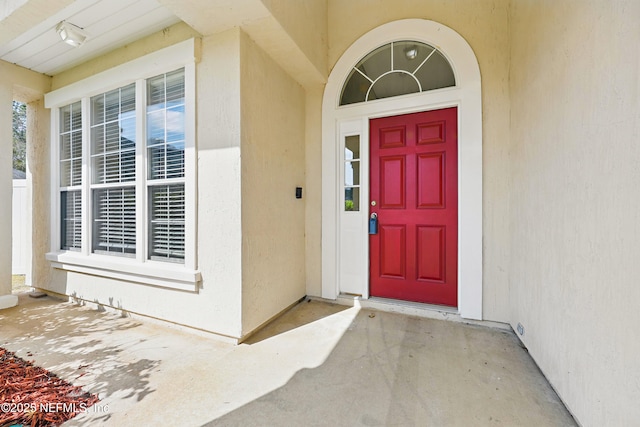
(485, 26)
(306, 23)
(273, 165)
(575, 205)
(219, 180)
(217, 305)
(251, 145)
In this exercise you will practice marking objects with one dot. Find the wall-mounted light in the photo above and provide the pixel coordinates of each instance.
(71, 34)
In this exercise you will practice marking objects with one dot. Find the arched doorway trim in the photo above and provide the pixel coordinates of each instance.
(344, 239)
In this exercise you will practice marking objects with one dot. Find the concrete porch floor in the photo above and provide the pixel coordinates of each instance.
(317, 365)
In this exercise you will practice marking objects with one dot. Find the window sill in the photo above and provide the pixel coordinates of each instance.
(149, 273)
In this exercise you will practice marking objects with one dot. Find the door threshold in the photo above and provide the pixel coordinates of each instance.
(398, 306)
(409, 308)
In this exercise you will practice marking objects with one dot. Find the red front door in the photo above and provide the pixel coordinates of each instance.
(414, 192)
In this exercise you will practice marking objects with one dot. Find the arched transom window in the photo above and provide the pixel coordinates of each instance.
(397, 68)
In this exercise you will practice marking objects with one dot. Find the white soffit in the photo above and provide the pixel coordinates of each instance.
(109, 24)
(7, 7)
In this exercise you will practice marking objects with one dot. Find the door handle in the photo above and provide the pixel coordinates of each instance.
(373, 223)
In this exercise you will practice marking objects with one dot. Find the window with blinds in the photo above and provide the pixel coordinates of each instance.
(71, 176)
(113, 171)
(165, 154)
(133, 192)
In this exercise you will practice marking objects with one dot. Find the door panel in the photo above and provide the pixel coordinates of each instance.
(414, 183)
(392, 182)
(430, 247)
(392, 137)
(393, 255)
(431, 179)
(431, 133)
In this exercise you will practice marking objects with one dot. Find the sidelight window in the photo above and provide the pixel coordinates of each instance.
(352, 173)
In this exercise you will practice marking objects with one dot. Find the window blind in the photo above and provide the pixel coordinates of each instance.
(71, 218)
(167, 220)
(71, 176)
(114, 224)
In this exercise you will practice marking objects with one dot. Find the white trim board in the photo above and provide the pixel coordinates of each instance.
(466, 96)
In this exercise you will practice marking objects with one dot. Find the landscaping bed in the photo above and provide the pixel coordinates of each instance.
(33, 396)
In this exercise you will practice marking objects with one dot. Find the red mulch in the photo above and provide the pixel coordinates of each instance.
(35, 397)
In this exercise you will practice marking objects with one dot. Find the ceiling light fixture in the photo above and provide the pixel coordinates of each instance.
(71, 34)
(411, 52)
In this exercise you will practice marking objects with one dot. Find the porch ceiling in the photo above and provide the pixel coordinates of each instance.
(28, 37)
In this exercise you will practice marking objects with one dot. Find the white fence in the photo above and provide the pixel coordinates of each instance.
(21, 247)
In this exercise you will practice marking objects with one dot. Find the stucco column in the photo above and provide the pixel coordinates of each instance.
(38, 166)
(313, 184)
(6, 195)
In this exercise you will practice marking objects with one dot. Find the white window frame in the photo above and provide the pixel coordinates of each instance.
(183, 276)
